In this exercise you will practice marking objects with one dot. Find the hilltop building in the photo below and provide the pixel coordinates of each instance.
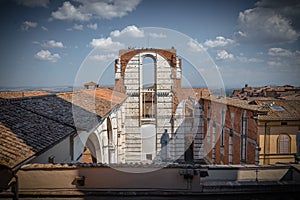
(122, 128)
(102, 125)
(278, 92)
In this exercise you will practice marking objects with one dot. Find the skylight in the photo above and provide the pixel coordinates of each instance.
(277, 108)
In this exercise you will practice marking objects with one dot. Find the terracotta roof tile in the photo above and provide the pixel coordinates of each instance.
(108, 94)
(232, 102)
(280, 109)
(266, 91)
(31, 124)
(10, 95)
(23, 134)
(91, 83)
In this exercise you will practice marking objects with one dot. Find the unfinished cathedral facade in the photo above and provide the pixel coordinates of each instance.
(149, 111)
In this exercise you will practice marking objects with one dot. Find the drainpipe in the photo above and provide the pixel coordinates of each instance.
(265, 142)
(298, 147)
(257, 150)
(15, 187)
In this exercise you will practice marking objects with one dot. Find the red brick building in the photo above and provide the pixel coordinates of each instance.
(249, 132)
(230, 131)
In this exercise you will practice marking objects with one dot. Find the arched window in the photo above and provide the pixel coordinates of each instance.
(284, 143)
(148, 87)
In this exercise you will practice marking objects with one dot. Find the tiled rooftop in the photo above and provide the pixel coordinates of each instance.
(286, 91)
(24, 133)
(108, 94)
(280, 109)
(10, 95)
(232, 102)
(31, 124)
(151, 165)
(274, 109)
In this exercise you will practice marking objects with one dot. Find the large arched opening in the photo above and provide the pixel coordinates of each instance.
(92, 150)
(148, 88)
(148, 134)
(148, 83)
(148, 126)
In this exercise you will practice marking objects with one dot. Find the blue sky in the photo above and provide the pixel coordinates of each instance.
(45, 43)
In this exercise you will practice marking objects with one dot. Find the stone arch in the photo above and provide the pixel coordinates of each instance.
(149, 55)
(130, 73)
(94, 147)
(126, 57)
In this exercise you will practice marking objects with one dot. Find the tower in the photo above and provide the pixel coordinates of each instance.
(149, 111)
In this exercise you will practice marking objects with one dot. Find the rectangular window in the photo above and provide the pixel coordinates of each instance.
(284, 144)
(244, 138)
(72, 147)
(148, 156)
(222, 128)
(208, 112)
(222, 137)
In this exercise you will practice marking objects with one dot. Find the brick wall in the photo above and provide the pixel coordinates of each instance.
(231, 122)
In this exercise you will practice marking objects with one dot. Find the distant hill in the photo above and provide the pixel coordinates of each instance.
(46, 89)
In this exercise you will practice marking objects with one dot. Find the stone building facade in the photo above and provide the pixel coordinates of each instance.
(152, 110)
(278, 129)
(250, 132)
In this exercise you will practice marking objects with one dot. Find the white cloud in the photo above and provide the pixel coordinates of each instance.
(283, 57)
(36, 42)
(264, 25)
(224, 55)
(195, 46)
(288, 8)
(279, 52)
(106, 44)
(93, 26)
(44, 28)
(129, 31)
(157, 35)
(53, 44)
(47, 56)
(26, 25)
(88, 9)
(248, 60)
(274, 63)
(70, 12)
(220, 41)
(108, 9)
(78, 27)
(103, 57)
(260, 53)
(34, 3)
